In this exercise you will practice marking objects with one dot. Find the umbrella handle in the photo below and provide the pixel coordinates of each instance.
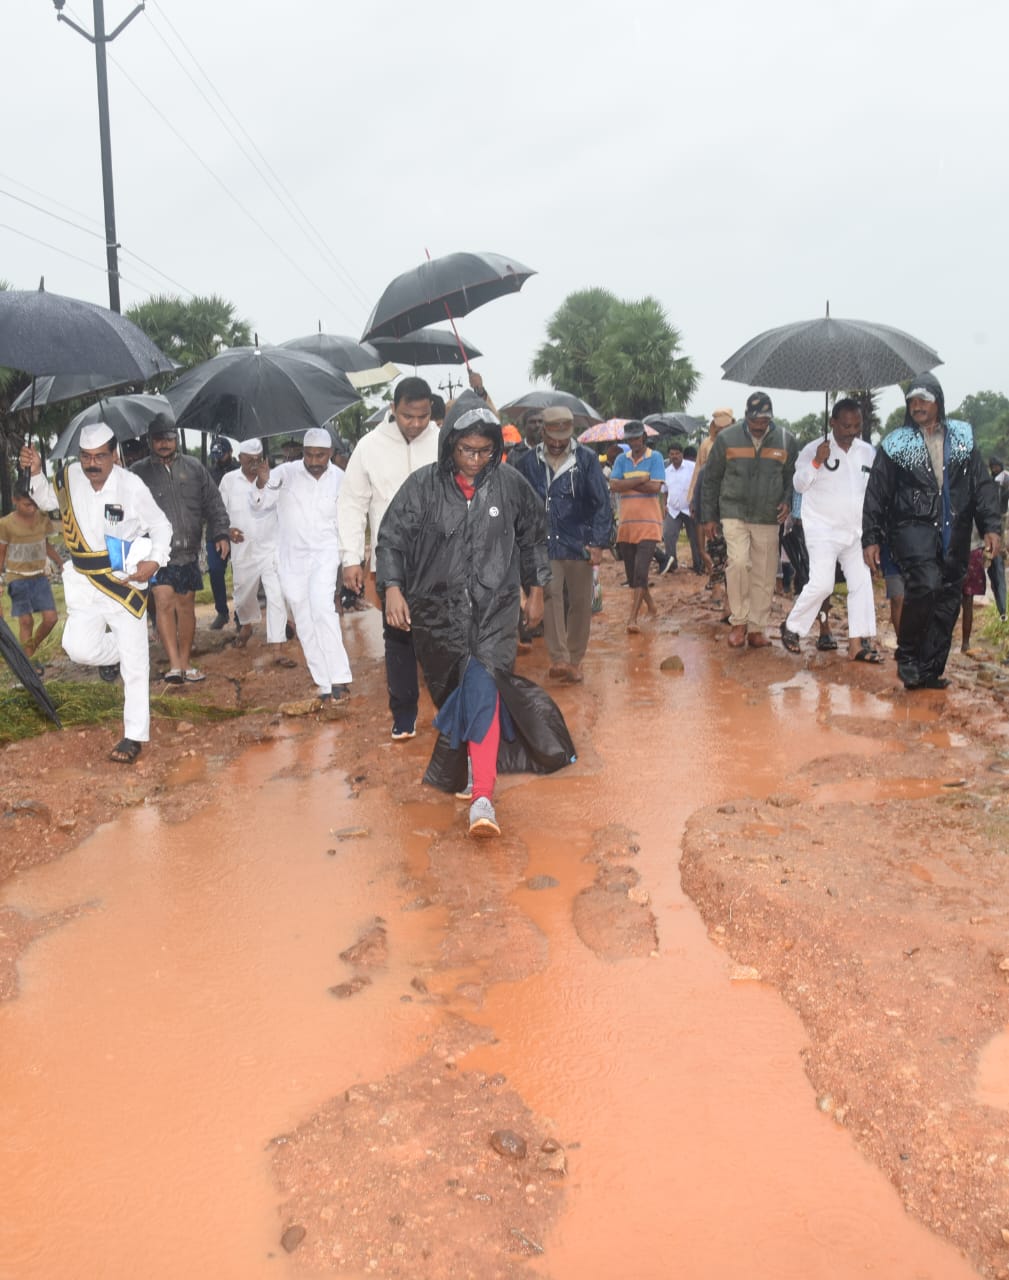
(455, 331)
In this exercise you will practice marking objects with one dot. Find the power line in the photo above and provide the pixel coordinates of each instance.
(4, 226)
(223, 185)
(292, 208)
(6, 177)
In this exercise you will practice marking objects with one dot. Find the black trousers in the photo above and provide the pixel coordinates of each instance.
(932, 593)
(401, 674)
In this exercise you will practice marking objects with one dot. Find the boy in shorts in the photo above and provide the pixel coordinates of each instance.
(24, 548)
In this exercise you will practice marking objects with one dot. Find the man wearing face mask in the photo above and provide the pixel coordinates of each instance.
(254, 549)
(117, 536)
(928, 488)
(304, 495)
(184, 490)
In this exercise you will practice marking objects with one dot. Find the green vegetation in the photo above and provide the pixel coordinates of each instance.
(623, 357)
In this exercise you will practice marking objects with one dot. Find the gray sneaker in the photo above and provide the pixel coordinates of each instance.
(482, 819)
(467, 792)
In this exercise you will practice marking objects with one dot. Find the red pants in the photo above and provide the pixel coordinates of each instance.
(483, 757)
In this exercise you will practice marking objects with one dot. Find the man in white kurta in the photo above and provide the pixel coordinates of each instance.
(379, 465)
(106, 623)
(832, 475)
(305, 496)
(254, 554)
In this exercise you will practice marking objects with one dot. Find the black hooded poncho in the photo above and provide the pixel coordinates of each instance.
(460, 566)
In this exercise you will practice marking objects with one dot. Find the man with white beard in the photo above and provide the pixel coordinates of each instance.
(254, 550)
(118, 537)
(304, 494)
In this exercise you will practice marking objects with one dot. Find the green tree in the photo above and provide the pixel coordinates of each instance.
(623, 357)
(574, 334)
(987, 412)
(638, 367)
(895, 419)
(190, 332)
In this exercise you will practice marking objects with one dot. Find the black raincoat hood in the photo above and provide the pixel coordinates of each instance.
(469, 413)
(928, 382)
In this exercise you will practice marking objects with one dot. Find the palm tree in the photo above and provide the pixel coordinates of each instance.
(574, 334)
(190, 332)
(638, 366)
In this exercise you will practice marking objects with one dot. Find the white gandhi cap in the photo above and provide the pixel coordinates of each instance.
(252, 447)
(95, 436)
(317, 438)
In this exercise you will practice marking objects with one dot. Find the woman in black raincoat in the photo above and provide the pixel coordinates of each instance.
(458, 543)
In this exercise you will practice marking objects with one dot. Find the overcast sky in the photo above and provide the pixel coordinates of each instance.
(741, 162)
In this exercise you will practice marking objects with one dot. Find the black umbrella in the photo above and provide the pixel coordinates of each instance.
(794, 544)
(675, 424)
(360, 361)
(829, 354)
(259, 391)
(45, 333)
(428, 346)
(449, 287)
(584, 414)
(56, 388)
(128, 416)
(20, 664)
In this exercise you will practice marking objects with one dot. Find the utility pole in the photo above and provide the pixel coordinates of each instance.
(448, 386)
(100, 39)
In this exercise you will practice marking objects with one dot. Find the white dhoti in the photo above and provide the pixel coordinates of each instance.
(309, 582)
(827, 547)
(99, 632)
(247, 571)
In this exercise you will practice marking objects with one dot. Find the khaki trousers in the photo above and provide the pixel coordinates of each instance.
(566, 629)
(751, 568)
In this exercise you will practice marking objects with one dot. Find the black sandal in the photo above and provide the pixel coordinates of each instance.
(826, 643)
(125, 751)
(868, 654)
(790, 640)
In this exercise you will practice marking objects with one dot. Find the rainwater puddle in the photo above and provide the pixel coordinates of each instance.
(162, 1039)
(992, 1086)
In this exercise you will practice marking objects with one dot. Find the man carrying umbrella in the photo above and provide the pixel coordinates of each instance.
(928, 486)
(254, 550)
(183, 489)
(380, 464)
(831, 475)
(569, 481)
(305, 496)
(747, 488)
(117, 536)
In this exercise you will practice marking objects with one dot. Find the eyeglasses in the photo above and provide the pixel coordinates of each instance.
(467, 452)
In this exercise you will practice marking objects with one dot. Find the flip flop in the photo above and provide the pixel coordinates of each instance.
(868, 654)
(175, 676)
(192, 676)
(125, 751)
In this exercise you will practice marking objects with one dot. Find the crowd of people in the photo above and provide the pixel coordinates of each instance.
(472, 548)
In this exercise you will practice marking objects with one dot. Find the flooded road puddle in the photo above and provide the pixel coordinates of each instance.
(162, 1039)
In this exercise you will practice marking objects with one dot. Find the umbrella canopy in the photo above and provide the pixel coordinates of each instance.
(21, 665)
(380, 414)
(360, 361)
(259, 391)
(128, 416)
(427, 346)
(583, 413)
(611, 429)
(829, 354)
(675, 424)
(59, 387)
(450, 286)
(45, 333)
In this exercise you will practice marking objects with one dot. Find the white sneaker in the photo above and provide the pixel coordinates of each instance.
(482, 819)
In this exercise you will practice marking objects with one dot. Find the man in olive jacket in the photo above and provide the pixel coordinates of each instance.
(748, 490)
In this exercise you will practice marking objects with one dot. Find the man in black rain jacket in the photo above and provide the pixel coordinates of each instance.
(459, 542)
(928, 485)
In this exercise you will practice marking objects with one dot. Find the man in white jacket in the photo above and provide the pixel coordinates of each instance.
(118, 537)
(380, 463)
(832, 475)
(305, 496)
